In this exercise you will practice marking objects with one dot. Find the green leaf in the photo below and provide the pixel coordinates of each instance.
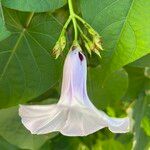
(110, 111)
(4, 145)
(3, 31)
(26, 67)
(12, 130)
(142, 62)
(108, 92)
(125, 30)
(137, 81)
(145, 124)
(108, 145)
(65, 143)
(34, 5)
(141, 140)
(126, 140)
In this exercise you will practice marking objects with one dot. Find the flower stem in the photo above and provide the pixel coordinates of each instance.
(83, 21)
(67, 23)
(65, 26)
(83, 35)
(72, 15)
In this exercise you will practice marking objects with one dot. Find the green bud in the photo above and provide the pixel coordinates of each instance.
(57, 50)
(59, 46)
(91, 45)
(92, 32)
(97, 52)
(63, 42)
(87, 47)
(94, 48)
(97, 41)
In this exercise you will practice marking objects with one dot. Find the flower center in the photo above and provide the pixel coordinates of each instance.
(80, 56)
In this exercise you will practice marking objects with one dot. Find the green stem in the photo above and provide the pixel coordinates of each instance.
(83, 35)
(83, 21)
(72, 15)
(64, 28)
(66, 24)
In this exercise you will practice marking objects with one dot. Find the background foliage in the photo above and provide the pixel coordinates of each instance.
(119, 83)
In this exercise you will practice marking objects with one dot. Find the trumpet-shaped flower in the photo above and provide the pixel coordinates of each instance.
(74, 114)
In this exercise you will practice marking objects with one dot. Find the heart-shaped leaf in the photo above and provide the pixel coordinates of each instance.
(26, 67)
(124, 26)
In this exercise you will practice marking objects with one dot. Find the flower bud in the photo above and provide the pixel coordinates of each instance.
(97, 52)
(87, 47)
(92, 31)
(59, 46)
(57, 50)
(97, 41)
(63, 42)
(91, 46)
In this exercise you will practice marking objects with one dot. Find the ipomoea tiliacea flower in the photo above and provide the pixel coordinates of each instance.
(74, 114)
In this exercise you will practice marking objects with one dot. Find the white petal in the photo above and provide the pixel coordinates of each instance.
(70, 121)
(119, 125)
(81, 122)
(74, 75)
(38, 119)
(74, 115)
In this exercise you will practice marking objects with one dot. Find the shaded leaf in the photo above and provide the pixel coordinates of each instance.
(34, 5)
(142, 62)
(65, 143)
(12, 130)
(4, 145)
(137, 81)
(108, 145)
(142, 108)
(26, 67)
(108, 92)
(3, 31)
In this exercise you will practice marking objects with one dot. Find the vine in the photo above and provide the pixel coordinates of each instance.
(92, 43)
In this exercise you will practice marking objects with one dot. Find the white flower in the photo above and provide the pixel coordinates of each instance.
(74, 114)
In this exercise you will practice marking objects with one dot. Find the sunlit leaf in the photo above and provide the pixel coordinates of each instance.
(145, 124)
(124, 26)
